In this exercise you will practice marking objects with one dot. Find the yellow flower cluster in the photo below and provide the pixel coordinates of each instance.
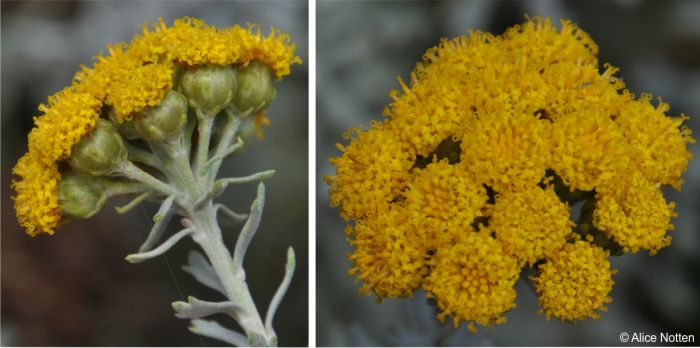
(131, 77)
(575, 282)
(531, 224)
(440, 202)
(470, 176)
(473, 280)
(635, 214)
(389, 259)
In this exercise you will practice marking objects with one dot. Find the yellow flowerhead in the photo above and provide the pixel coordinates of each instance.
(635, 214)
(574, 282)
(69, 116)
(474, 281)
(443, 203)
(531, 224)
(588, 149)
(36, 202)
(507, 152)
(388, 257)
(371, 173)
(657, 143)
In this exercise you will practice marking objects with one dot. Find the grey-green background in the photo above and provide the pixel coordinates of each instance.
(363, 46)
(74, 288)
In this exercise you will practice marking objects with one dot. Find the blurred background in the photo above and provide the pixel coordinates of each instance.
(363, 46)
(75, 288)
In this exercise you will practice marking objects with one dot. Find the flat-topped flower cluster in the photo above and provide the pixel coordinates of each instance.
(473, 173)
(132, 77)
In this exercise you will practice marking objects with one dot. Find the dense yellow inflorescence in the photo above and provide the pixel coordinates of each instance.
(574, 282)
(133, 76)
(508, 152)
(474, 280)
(531, 224)
(471, 175)
(443, 204)
(366, 185)
(389, 258)
(36, 202)
(587, 148)
(635, 214)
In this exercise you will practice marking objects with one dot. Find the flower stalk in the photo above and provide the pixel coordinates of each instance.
(189, 190)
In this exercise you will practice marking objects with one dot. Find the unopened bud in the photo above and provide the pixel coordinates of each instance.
(165, 121)
(209, 88)
(256, 89)
(101, 152)
(81, 196)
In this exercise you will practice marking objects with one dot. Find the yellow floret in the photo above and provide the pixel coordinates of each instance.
(388, 256)
(473, 280)
(575, 282)
(530, 224)
(36, 203)
(443, 202)
(634, 213)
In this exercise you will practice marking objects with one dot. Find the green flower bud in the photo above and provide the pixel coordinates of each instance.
(209, 88)
(165, 121)
(126, 128)
(101, 152)
(81, 196)
(256, 89)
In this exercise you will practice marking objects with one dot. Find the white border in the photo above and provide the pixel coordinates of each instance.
(312, 172)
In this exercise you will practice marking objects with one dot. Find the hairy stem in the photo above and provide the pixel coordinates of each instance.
(137, 155)
(178, 162)
(204, 125)
(227, 134)
(209, 238)
(133, 172)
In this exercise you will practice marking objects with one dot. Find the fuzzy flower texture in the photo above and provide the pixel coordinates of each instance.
(474, 171)
(132, 77)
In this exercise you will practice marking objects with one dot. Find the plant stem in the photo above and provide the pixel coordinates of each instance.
(204, 125)
(178, 163)
(191, 189)
(116, 188)
(141, 156)
(208, 234)
(209, 238)
(227, 135)
(131, 171)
